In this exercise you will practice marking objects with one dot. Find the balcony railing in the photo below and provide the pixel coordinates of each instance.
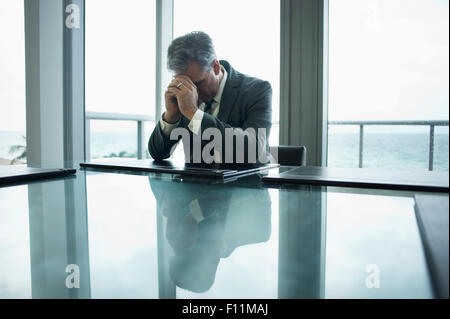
(139, 119)
(361, 124)
(141, 143)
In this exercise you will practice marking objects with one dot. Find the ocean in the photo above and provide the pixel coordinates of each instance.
(388, 150)
(393, 150)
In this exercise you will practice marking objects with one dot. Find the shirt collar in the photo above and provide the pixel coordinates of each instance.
(218, 96)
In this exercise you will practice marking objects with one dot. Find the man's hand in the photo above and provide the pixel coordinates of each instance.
(186, 95)
(172, 114)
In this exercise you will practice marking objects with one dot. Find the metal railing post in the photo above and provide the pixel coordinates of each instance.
(361, 145)
(361, 124)
(431, 152)
(105, 116)
(140, 139)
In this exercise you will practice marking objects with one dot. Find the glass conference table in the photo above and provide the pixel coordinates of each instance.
(104, 234)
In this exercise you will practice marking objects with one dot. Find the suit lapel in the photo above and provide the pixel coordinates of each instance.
(230, 92)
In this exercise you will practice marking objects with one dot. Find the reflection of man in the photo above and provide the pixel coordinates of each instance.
(207, 93)
(205, 223)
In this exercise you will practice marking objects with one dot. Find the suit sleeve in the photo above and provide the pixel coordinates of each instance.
(258, 116)
(160, 145)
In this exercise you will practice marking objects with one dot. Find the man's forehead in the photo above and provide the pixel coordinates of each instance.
(194, 72)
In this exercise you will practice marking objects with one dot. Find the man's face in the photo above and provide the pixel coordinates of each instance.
(207, 82)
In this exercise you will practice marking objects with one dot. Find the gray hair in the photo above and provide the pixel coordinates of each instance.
(195, 46)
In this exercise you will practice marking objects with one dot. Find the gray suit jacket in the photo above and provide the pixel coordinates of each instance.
(246, 103)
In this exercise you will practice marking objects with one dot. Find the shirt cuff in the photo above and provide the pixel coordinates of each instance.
(196, 123)
(167, 127)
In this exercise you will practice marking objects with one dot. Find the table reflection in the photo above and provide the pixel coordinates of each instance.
(135, 236)
(58, 237)
(202, 226)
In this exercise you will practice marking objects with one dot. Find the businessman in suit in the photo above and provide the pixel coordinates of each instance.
(212, 102)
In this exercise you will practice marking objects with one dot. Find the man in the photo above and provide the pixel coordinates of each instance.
(211, 102)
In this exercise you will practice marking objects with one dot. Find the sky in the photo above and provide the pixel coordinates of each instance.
(12, 66)
(388, 58)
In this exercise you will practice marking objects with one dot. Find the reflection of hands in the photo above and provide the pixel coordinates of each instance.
(185, 92)
(181, 232)
(197, 249)
(191, 229)
(182, 228)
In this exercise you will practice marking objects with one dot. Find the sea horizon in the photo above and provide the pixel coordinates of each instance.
(387, 149)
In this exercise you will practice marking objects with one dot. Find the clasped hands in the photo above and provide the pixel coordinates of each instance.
(181, 97)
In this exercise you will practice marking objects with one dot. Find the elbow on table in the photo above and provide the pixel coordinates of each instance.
(156, 153)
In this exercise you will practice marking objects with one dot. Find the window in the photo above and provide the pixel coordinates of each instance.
(120, 72)
(388, 61)
(245, 33)
(12, 83)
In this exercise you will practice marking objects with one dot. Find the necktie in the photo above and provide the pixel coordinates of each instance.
(208, 106)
